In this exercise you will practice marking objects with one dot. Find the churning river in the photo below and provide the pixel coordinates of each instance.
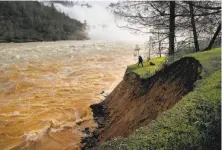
(46, 89)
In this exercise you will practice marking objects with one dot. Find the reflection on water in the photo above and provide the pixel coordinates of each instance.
(46, 89)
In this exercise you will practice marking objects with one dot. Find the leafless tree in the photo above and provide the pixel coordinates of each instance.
(173, 19)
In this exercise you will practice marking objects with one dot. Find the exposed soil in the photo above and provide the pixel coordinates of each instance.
(135, 102)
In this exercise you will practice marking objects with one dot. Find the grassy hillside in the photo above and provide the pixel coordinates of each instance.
(193, 123)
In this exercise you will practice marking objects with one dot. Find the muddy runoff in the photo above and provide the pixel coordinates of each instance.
(46, 89)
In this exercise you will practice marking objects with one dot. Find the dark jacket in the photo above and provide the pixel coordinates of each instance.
(140, 59)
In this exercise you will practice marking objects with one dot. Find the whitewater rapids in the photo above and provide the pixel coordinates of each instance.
(46, 89)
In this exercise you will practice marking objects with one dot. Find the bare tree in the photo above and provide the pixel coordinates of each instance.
(193, 27)
(171, 18)
(214, 37)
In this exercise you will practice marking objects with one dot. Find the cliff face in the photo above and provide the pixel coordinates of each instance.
(135, 102)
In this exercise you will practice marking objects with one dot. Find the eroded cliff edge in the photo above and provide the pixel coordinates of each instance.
(135, 102)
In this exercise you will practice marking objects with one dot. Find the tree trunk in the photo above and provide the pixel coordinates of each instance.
(214, 37)
(159, 42)
(172, 28)
(150, 46)
(194, 28)
(160, 48)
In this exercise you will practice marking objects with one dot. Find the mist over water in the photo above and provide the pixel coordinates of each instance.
(101, 22)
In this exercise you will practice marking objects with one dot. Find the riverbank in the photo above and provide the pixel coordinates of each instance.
(139, 105)
(40, 40)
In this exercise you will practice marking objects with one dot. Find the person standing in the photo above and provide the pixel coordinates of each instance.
(140, 61)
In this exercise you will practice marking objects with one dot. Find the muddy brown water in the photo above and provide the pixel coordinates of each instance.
(46, 89)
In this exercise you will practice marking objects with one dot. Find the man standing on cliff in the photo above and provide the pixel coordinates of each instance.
(140, 61)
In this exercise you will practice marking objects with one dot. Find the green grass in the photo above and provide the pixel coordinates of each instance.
(147, 70)
(193, 123)
(210, 61)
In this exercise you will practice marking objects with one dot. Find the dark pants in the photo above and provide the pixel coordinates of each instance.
(140, 62)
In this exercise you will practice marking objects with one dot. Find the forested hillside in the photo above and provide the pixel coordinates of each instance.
(32, 21)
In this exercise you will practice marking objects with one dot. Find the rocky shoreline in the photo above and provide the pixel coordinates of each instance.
(100, 116)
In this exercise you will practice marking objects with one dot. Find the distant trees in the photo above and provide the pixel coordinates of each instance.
(174, 19)
(32, 21)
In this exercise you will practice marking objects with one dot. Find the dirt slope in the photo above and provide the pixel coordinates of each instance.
(135, 102)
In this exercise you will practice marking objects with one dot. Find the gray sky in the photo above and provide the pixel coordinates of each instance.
(98, 17)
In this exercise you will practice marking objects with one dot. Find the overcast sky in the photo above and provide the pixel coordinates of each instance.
(99, 16)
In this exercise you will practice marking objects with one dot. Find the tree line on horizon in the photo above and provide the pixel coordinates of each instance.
(172, 22)
(27, 21)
